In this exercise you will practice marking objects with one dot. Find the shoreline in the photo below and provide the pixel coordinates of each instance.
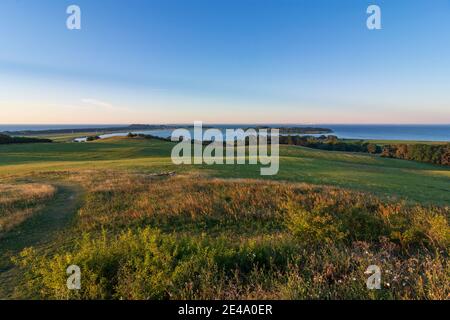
(383, 134)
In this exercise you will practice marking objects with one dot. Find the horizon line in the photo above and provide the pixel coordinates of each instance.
(224, 123)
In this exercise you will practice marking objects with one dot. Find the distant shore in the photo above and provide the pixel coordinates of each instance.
(132, 127)
(148, 127)
(382, 132)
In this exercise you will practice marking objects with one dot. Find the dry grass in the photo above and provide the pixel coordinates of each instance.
(19, 201)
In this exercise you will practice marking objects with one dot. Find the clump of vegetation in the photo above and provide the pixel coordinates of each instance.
(5, 139)
(92, 138)
(147, 136)
(147, 237)
(20, 201)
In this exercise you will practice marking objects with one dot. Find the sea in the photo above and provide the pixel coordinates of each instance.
(439, 132)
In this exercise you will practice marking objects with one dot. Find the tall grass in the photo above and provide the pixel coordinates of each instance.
(197, 238)
(20, 201)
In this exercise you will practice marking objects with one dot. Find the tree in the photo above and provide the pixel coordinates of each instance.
(372, 148)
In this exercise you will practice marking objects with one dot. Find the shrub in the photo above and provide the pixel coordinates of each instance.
(92, 138)
(312, 228)
(420, 226)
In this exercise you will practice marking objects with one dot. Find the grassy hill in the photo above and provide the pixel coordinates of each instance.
(219, 231)
(390, 177)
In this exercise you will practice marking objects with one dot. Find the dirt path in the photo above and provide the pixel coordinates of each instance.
(39, 231)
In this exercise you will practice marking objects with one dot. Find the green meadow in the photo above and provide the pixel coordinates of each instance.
(141, 227)
(388, 177)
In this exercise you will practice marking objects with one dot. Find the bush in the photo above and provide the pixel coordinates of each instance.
(92, 138)
(312, 228)
(419, 226)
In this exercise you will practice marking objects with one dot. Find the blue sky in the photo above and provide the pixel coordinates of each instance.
(236, 61)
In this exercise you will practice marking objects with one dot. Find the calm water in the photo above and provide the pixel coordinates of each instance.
(379, 132)
(393, 132)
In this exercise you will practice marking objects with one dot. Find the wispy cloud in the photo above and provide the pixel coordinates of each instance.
(98, 103)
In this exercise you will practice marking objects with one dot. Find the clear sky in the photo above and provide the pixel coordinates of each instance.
(224, 61)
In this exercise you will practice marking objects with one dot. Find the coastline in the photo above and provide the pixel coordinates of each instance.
(383, 133)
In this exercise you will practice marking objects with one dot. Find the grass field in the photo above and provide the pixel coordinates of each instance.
(308, 232)
(389, 177)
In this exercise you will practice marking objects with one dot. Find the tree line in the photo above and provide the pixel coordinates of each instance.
(5, 139)
(436, 154)
(331, 143)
